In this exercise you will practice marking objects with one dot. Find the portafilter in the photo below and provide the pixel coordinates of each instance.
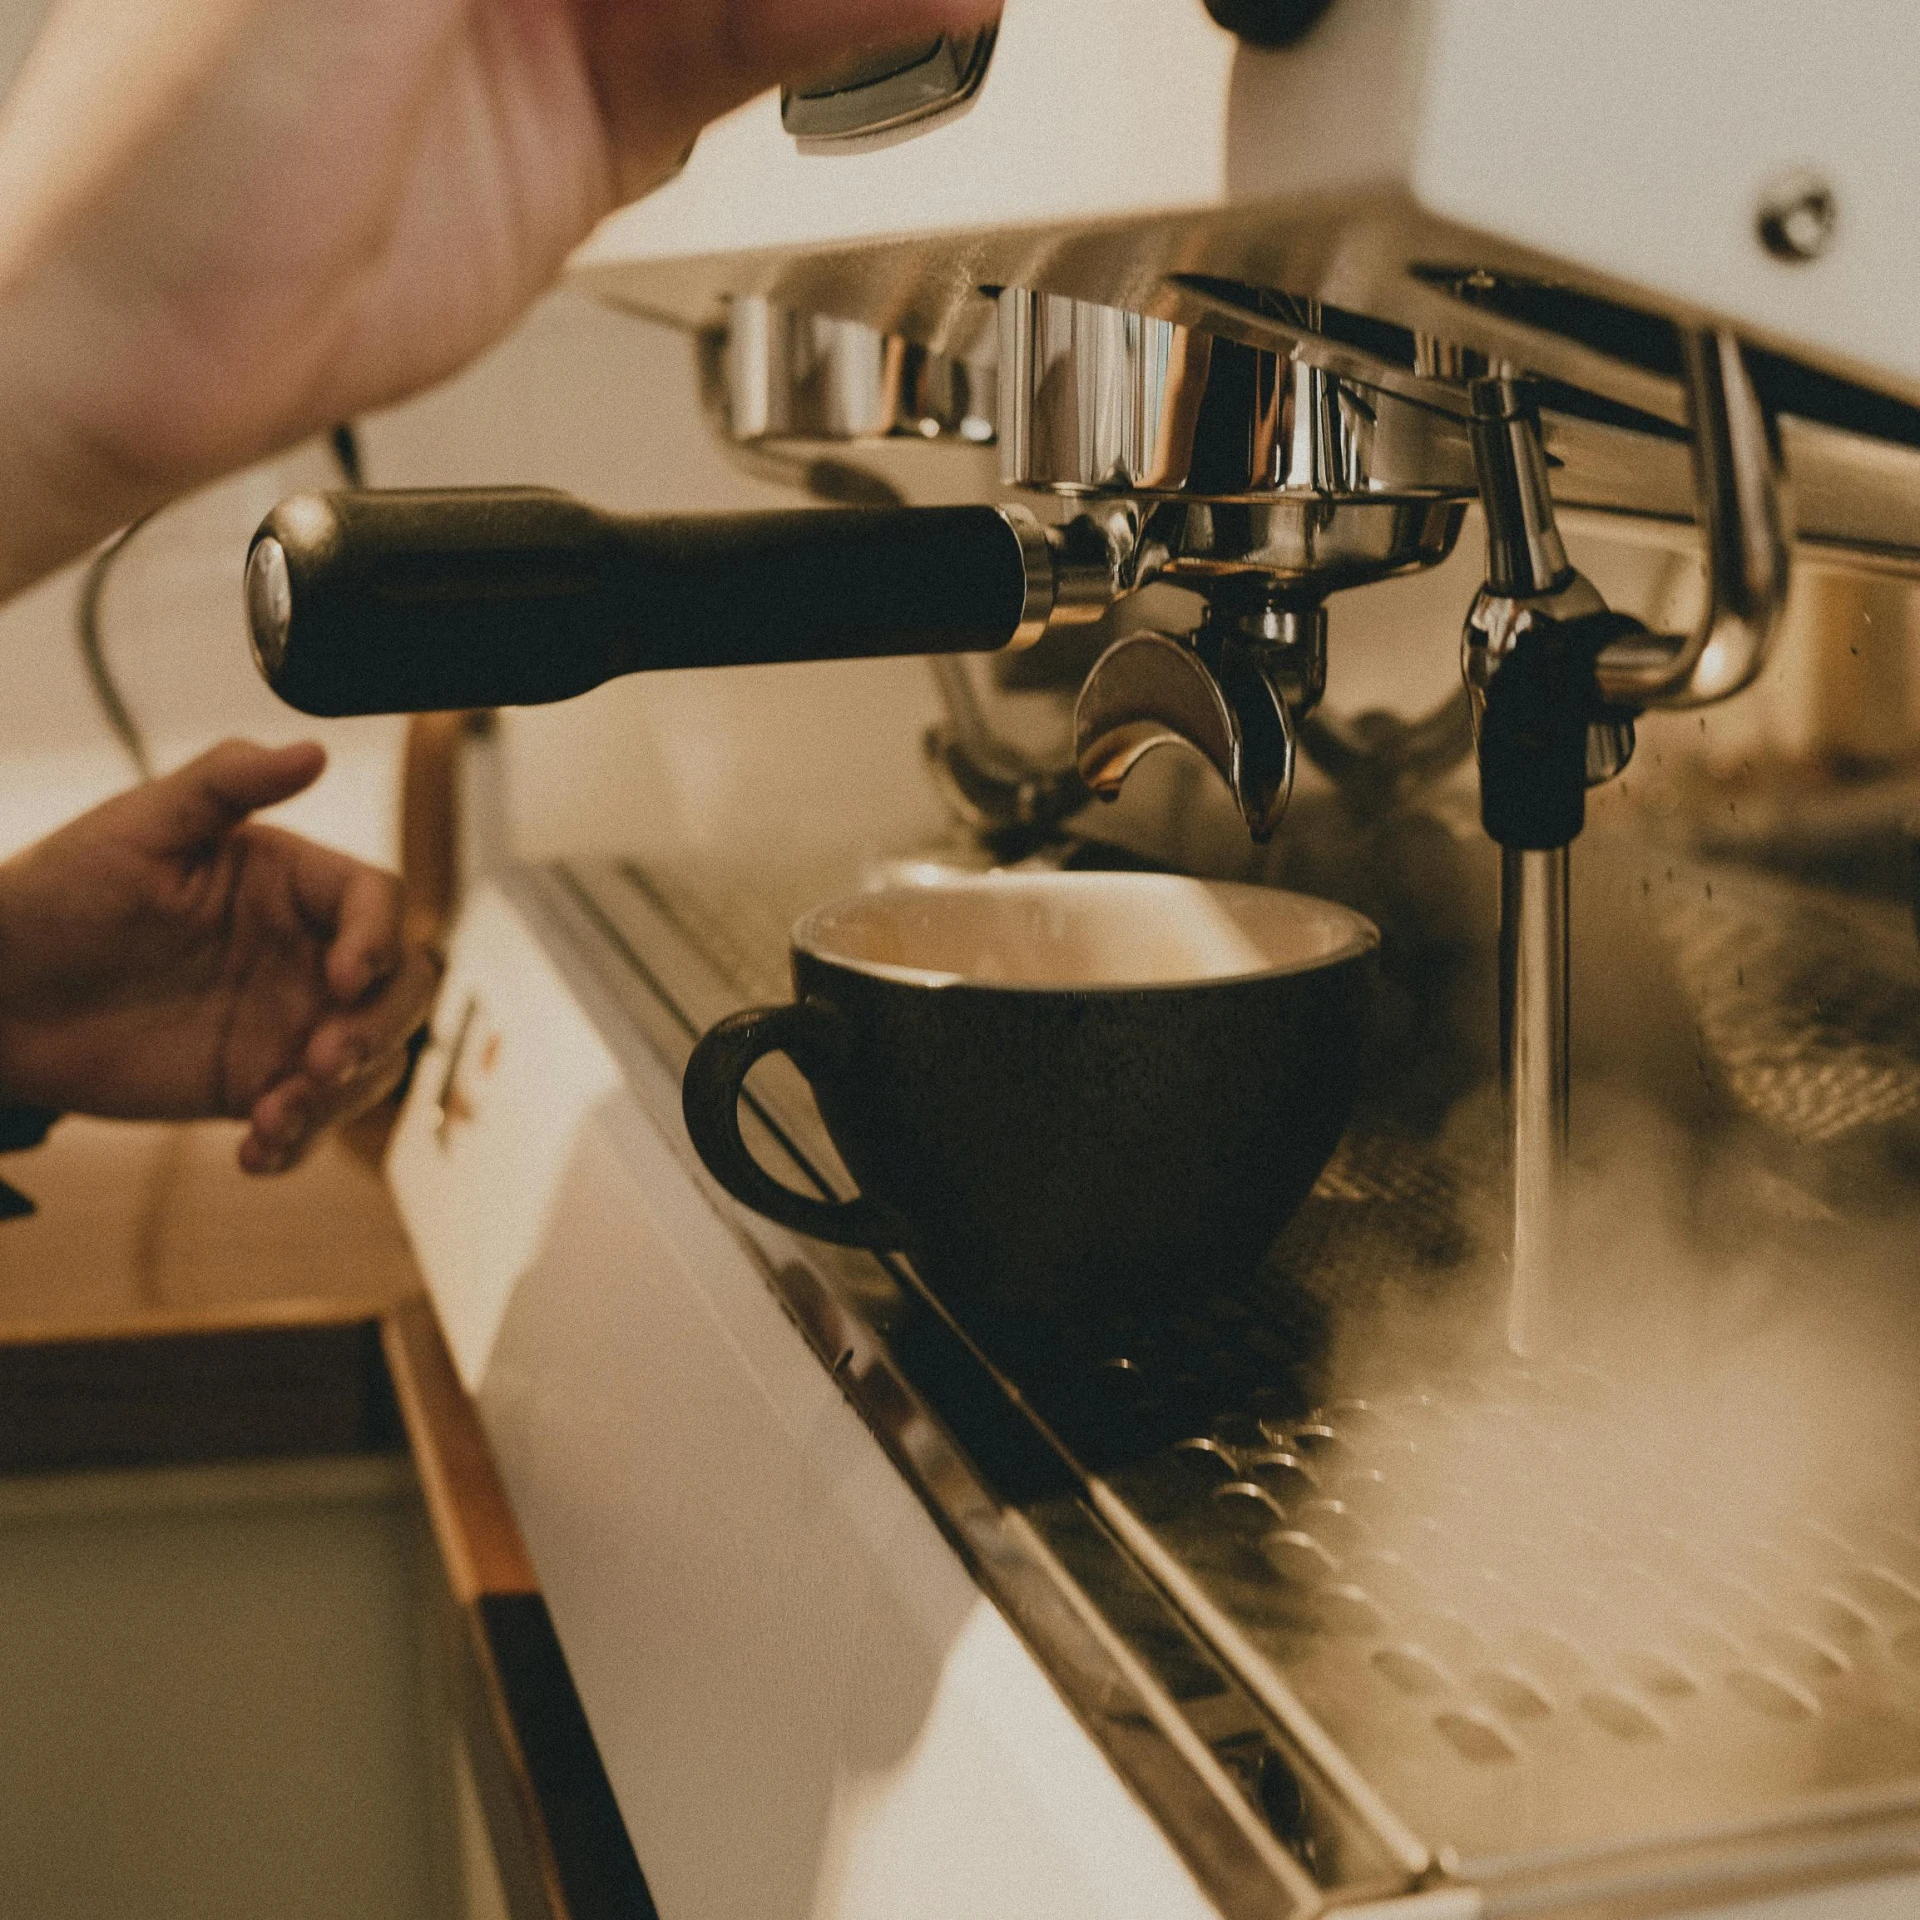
(422, 601)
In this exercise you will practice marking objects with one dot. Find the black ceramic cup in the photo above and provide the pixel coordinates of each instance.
(1051, 1085)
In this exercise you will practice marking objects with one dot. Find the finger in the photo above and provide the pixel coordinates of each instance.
(208, 797)
(342, 1045)
(378, 1083)
(354, 912)
(288, 1118)
(360, 910)
(281, 1124)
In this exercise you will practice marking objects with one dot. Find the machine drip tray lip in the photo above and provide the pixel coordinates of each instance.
(1220, 1684)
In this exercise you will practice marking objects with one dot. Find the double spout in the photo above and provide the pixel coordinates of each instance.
(1265, 483)
(1235, 691)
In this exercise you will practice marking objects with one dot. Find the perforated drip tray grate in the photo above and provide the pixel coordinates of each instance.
(1514, 1628)
(1529, 1633)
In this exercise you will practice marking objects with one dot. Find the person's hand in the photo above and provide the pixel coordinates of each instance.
(165, 957)
(226, 224)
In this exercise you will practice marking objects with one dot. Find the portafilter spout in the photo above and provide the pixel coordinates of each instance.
(1233, 691)
(1556, 678)
(1254, 476)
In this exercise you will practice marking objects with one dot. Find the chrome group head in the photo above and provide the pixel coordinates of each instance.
(1266, 466)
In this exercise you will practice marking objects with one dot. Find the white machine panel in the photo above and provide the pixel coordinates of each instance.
(1625, 145)
(1639, 138)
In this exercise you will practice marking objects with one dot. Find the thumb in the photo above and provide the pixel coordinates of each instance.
(210, 796)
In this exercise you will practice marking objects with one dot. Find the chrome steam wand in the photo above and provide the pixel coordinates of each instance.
(1555, 679)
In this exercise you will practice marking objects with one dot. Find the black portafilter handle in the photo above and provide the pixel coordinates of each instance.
(418, 602)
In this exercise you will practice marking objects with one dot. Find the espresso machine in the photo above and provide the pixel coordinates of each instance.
(1521, 1539)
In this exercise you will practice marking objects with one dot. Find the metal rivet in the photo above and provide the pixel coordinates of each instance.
(1797, 216)
(1773, 1694)
(1346, 1608)
(1248, 1511)
(1514, 1693)
(1801, 1654)
(1299, 1558)
(1663, 1678)
(1284, 1475)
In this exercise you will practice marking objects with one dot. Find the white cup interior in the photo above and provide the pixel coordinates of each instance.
(1081, 931)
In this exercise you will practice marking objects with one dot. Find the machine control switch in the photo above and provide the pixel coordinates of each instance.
(884, 96)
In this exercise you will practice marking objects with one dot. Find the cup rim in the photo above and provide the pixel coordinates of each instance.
(806, 937)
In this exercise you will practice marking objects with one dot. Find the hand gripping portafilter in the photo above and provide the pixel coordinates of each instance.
(413, 602)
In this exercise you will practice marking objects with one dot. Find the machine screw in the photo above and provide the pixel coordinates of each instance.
(1797, 216)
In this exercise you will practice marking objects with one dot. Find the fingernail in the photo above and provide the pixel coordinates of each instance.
(353, 1062)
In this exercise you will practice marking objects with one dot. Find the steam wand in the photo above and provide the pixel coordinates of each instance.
(1556, 678)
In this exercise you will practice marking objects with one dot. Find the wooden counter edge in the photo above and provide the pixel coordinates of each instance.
(559, 1838)
(466, 1504)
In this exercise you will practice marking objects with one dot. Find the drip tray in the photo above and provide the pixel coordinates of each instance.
(1494, 1627)
(1529, 1634)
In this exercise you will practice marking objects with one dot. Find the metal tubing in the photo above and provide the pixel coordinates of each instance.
(1741, 487)
(1534, 1036)
(1525, 555)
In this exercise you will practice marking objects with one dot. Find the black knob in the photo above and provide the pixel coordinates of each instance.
(1268, 23)
(1542, 706)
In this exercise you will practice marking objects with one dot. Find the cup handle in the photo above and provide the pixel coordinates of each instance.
(809, 1035)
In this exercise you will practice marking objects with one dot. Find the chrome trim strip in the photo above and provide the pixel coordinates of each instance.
(1036, 556)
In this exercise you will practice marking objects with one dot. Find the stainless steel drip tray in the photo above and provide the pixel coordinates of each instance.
(1523, 1679)
(1495, 1631)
